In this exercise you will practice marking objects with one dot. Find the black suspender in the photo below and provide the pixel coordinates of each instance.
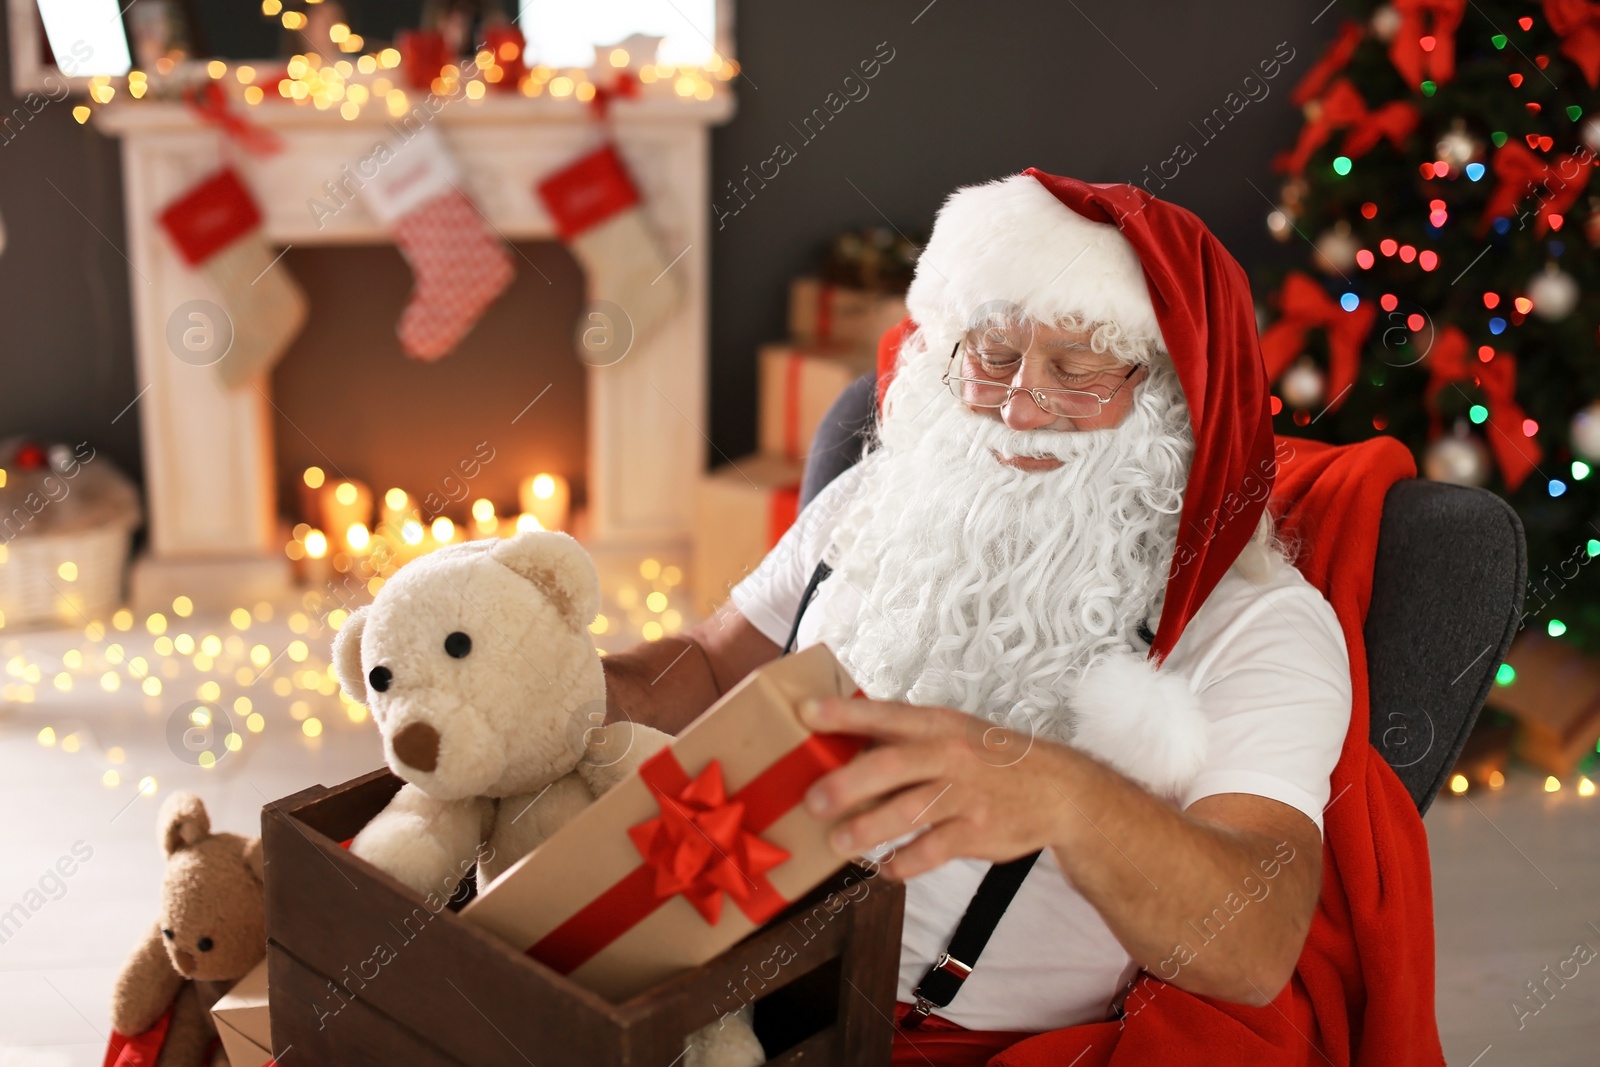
(942, 982)
(818, 576)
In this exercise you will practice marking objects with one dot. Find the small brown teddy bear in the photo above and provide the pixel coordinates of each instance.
(212, 931)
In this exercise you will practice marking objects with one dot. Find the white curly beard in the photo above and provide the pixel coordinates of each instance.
(992, 589)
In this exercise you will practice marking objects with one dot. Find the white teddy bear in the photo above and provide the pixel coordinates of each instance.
(478, 666)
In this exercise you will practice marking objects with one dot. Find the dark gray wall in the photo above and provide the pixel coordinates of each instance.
(66, 347)
(1093, 88)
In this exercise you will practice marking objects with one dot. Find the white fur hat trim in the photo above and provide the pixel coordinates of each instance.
(1142, 722)
(1012, 240)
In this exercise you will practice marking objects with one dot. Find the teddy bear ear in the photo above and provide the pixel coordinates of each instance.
(253, 859)
(183, 822)
(560, 568)
(347, 656)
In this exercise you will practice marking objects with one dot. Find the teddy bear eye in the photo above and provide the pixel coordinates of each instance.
(458, 645)
(379, 678)
(167, 934)
(204, 944)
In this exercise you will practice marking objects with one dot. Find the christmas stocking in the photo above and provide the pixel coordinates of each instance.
(460, 265)
(216, 227)
(596, 210)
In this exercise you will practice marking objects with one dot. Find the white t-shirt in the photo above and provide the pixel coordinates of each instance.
(1269, 666)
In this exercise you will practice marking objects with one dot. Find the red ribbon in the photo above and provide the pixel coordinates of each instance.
(626, 87)
(824, 311)
(729, 857)
(1519, 173)
(1342, 108)
(1452, 360)
(1438, 19)
(1306, 306)
(1578, 23)
(1332, 62)
(210, 102)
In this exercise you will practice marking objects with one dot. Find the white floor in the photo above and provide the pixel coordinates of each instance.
(1516, 873)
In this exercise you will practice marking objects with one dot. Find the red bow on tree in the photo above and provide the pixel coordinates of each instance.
(1451, 360)
(1578, 23)
(699, 847)
(1332, 62)
(1436, 20)
(1305, 306)
(1342, 108)
(1556, 184)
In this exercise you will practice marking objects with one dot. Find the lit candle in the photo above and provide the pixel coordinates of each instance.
(316, 562)
(484, 521)
(547, 498)
(397, 508)
(344, 504)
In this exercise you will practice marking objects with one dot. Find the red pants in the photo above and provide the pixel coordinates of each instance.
(942, 1043)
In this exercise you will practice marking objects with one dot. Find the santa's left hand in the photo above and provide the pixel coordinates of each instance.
(985, 792)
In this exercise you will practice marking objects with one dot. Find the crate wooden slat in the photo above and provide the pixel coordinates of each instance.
(354, 944)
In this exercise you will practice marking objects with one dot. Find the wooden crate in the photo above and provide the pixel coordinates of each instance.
(363, 972)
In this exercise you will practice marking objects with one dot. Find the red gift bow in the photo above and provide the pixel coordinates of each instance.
(1305, 306)
(698, 847)
(210, 102)
(1419, 18)
(1342, 108)
(762, 801)
(1452, 360)
(1578, 23)
(1520, 172)
(1332, 62)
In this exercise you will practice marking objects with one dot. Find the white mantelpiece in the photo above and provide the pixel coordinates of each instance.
(209, 468)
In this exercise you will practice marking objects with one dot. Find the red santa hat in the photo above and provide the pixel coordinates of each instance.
(1055, 247)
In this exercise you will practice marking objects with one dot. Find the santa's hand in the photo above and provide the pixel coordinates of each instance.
(938, 769)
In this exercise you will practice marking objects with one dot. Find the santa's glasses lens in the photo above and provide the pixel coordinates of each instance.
(986, 384)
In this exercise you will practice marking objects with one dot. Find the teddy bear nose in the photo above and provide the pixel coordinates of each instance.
(184, 961)
(379, 678)
(417, 745)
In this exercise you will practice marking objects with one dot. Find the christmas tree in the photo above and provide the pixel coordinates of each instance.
(1451, 293)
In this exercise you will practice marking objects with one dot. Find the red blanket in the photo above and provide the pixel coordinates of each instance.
(1363, 991)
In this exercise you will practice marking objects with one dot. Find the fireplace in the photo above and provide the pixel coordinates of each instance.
(213, 476)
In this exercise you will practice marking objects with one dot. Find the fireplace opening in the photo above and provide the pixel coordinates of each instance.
(509, 403)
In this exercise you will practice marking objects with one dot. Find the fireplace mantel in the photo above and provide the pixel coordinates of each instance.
(209, 468)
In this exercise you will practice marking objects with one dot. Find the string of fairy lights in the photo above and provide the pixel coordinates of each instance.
(360, 79)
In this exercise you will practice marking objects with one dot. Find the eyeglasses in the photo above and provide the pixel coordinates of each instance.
(989, 393)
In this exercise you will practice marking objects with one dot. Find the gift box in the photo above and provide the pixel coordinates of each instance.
(243, 1022)
(798, 384)
(820, 313)
(700, 847)
(1555, 699)
(364, 971)
(740, 512)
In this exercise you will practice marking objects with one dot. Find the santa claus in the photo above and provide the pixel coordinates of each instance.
(1107, 704)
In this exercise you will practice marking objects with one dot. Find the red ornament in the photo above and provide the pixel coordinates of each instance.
(31, 456)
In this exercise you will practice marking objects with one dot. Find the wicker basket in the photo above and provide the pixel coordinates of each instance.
(64, 537)
(34, 591)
